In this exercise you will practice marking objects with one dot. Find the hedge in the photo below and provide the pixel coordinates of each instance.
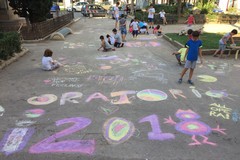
(10, 43)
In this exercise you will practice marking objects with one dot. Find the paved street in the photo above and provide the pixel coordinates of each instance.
(124, 104)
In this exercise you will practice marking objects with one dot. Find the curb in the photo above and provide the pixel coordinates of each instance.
(179, 45)
(46, 37)
(6, 63)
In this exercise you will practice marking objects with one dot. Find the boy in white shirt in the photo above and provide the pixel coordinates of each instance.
(163, 17)
(151, 12)
(135, 27)
(116, 14)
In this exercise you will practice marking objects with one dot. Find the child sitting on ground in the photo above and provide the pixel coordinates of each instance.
(48, 64)
(180, 54)
(110, 39)
(105, 45)
(118, 40)
(157, 30)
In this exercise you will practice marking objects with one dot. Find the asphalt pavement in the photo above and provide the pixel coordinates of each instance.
(119, 105)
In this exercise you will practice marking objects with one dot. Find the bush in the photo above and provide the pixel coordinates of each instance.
(167, 8)
(140, 15)
(9, 44)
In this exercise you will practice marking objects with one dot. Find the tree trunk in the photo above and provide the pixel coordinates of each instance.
(179, 9)
(132, 7)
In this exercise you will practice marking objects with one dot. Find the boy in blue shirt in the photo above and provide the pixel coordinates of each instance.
(194, 46)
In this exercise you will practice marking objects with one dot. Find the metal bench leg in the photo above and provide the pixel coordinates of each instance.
(236, 55)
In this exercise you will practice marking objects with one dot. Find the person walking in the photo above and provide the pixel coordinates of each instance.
(116, 14)
(122, 27)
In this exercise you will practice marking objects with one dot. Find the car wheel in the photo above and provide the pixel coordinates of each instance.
(90, 15)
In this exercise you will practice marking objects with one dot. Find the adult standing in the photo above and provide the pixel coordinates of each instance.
(116, 14)
(163, 17)
(151, 12)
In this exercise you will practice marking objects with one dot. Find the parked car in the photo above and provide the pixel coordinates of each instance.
(121, 11)
(93, 10)
(76, 7)
(106, 5)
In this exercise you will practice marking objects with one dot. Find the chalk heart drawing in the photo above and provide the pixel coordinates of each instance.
(25, 123)
(118, 130)
(44, 99)
(2, 110)
(190, 125)
(108, 110)
(152, 95)
(206, 78)
(15, 140)
(34, 113)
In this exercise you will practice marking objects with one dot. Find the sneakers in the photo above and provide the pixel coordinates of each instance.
(180, 81)
(190, 82)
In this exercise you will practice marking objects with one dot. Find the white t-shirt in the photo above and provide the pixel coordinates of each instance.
(151, 12)
(162, 14)
(47, 63)
(225, 38)
(134, 25)
(116, 12)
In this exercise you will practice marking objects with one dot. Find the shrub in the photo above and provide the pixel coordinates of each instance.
(172, 9)
(140, 15)
(9, 44)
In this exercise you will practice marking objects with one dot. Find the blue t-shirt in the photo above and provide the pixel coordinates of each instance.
(141, 24)
(193, 48)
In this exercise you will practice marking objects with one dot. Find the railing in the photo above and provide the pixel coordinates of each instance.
(37, 31)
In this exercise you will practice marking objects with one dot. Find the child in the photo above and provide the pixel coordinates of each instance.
(118, 41)
(157, 30)
(190, 21)
(110, 39)
(105, 45)
(134, 24)
(194, 46)
(163, 17)
(189, 34)
(142, 27)
(180, 55)
(223, 42)
(48, 64)
(122, 26)
(130, 27)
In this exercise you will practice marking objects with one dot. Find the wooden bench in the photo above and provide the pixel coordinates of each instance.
(237, 48)
(60, 35)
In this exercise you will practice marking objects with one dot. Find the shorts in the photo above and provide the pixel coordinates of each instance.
(190, 64)
(123, 31)
(178, 56)
(135, 32)
(143, 27)
(117, 19)
(117, 44)
(222, 47)
(150, 19)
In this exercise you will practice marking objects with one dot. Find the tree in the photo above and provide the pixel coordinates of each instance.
(179, 3)
(32, 10)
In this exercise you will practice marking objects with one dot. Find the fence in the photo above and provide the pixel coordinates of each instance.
(39, 30)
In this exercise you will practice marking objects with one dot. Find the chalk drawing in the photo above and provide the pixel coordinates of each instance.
(42, 99)
(25, 123)
(34, 113)
(146, 37)
(123, 97)
(156, 133)
(191, 126)
(152, 95)
(77, 69)
(117, 130)
(195, 92)
(107, 57)
(219, 68)
(177, 92)
(15, 140)
(218, 110)
(146, 74)
(105, 67)
(70, 97)
(71, 45)
(97, 95)
(2, 110)
(221, 94)
(72, 82)
(142, 44)
(206, 78)
(108, 110)
(106, 79)
(52, 145)
(235, 116)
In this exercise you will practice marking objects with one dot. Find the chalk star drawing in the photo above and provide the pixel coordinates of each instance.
(191, 126)
(42, 99)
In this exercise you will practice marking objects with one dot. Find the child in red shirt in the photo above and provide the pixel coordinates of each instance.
(190, 21)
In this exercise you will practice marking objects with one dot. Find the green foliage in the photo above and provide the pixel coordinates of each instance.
(34, 10)
(172, 9)
(232, 10)
(140, 15)
(207, 6)
(9, 44)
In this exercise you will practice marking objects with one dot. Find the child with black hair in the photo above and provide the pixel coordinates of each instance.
(105, 45)
(135, 27)
(48, 64)
(157, 30)
(118, 41)
(194, 46)
(189, 34)
(110, 39)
